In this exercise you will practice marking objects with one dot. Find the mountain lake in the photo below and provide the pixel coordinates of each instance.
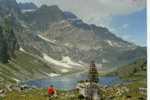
(68, 82)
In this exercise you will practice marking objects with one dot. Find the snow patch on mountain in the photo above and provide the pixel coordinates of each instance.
(113, 44)
(64, 70)
(104, 61)
(110, 43)
(45, 39)
(82, 63)
(27, 10)
(52, 74)
(17, 80)
(117, 44)
(21, 49)
(68, 45)
(55, 62)
(67, 59)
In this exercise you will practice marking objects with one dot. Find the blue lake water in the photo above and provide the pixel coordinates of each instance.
(69, 82)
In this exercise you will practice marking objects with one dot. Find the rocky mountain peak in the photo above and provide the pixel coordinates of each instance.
(42, 17)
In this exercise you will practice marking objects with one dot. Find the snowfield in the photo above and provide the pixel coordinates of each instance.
(110, 43)
(28, 10)
(16, 80)
(55, 62)
(45, 39)
(64, 70)
(113, 44)
(67, 59)
(21, 49)
(68, 45)
(52, 74)
(104, 60)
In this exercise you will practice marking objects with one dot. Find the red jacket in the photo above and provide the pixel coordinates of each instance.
(51, 90)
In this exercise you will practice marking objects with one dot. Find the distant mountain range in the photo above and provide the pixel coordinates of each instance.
(58, 39)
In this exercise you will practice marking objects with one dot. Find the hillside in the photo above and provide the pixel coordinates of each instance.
(24, 67)
(136, 68)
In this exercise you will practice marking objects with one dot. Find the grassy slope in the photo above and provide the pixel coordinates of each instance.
(41, 94)
(23, 67)
(136, 70)
(109, 94)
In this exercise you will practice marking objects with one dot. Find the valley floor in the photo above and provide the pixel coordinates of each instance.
(132, 91)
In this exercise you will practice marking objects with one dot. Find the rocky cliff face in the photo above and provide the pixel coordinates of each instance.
(3, 48)
(8, 43)
(42, 17)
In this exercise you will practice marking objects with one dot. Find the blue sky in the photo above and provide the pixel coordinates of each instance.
(131, 27)
(125, 18)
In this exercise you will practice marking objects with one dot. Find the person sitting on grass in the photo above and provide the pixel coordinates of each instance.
(51, 91)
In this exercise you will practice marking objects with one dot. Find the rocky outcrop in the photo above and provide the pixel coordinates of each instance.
(3, 48)
(8, 42)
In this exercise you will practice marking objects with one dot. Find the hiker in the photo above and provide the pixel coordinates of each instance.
(51, 91)
(82, 89)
